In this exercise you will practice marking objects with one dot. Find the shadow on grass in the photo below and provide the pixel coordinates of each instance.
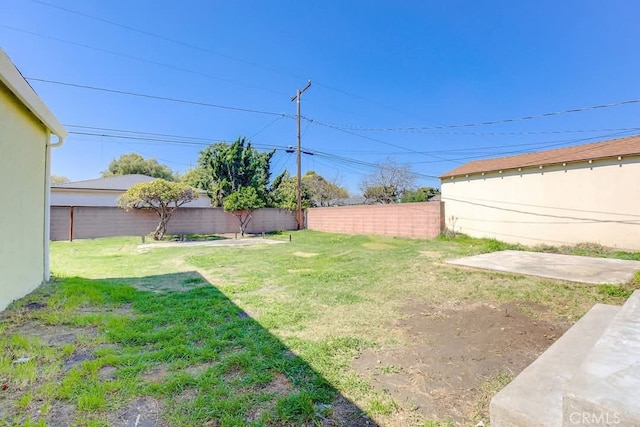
(176, 355)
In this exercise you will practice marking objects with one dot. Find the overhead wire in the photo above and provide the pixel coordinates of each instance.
(161, 98)
(211, 51)
(137, 58)
(477, 124)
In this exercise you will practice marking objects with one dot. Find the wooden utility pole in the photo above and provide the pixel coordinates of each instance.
(296, 98)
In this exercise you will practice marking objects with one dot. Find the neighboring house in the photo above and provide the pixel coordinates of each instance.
(26, 127)
(586, 193)
(105, 192)
(349, 201)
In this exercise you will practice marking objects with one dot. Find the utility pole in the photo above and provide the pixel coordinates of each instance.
(296, 98)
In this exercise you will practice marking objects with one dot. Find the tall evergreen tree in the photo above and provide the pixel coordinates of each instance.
(229, 167)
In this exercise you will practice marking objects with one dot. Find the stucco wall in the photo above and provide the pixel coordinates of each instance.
(90, 222)
(420, 220)
(22, 162)
(596, 202)
(78, 197)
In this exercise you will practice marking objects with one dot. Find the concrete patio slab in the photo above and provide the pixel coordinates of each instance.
(534, 397)
(221, 242)
(555, 266)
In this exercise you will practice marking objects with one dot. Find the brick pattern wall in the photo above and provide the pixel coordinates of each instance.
(91, 222)
(418, 220)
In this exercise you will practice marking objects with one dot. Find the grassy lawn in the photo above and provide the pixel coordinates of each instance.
(256, 335)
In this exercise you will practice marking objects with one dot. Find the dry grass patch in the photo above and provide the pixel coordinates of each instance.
(305, 254)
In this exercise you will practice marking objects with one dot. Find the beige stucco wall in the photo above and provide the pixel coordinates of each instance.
(23, 142)
(596, 202)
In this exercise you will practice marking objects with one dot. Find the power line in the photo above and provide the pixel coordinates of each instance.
(209, 51)
(155, 35)
(372, 139)
(494, 122)
(555, 144)
(161, 98)
(170, 141)
(542, 132)
(137, 58)
(369, 165)
(138, 132)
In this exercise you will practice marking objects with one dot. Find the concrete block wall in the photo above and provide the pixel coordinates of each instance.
(91, 222)
(417, 220)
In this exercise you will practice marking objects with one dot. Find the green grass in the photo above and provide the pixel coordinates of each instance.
(259, 335)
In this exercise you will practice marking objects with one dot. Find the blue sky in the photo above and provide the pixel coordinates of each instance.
(374, 65)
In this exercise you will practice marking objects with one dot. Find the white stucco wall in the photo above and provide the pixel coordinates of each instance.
(596, 202)
(23, 142)
(78, 197)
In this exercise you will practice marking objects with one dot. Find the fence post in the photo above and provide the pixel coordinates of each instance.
(71, 223)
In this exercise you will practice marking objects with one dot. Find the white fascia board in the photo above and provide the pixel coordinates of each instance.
(13, 79)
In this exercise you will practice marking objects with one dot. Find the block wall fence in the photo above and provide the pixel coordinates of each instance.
(417, 220)
(91, 222)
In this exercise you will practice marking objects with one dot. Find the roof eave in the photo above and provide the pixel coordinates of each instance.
(11, 77)
(533, 166)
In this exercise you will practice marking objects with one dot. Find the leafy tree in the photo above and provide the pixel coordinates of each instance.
(242, 203)
(229, 167)
(284, 193)
(379, 194)
(195, 177)
(133, 163)
(160, 196)
(321, 191)
(388, 182)
(58, 179)
(422, 194)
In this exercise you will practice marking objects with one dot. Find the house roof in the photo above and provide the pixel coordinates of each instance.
(598, 150)
(115, 183)
(11, 77)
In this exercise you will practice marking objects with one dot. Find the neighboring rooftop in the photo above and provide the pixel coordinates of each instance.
(598, 150)
(119, 182)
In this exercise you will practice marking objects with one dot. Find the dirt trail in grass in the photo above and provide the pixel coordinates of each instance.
(456, 353)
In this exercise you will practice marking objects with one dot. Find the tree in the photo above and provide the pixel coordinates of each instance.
(380, 194)
(160, 196)
(422, 194)
(195, 177)
(229, 167)
(58, 179)
(284, 193)
(388, 182)
(133, 163)
(322, 191)
(242, 203)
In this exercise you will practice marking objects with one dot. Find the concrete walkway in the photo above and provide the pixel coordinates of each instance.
(555, 266)
(221, 242)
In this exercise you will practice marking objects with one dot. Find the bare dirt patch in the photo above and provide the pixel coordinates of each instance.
(431, 254)
(60, 414)
(454, 350)
(279, 385)
(198, 369)
(156, 374)
(77, 357)
(142, 412)
(345, 413)
(186, 395)
(305, 254)
(107, 373)
(57, 335)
